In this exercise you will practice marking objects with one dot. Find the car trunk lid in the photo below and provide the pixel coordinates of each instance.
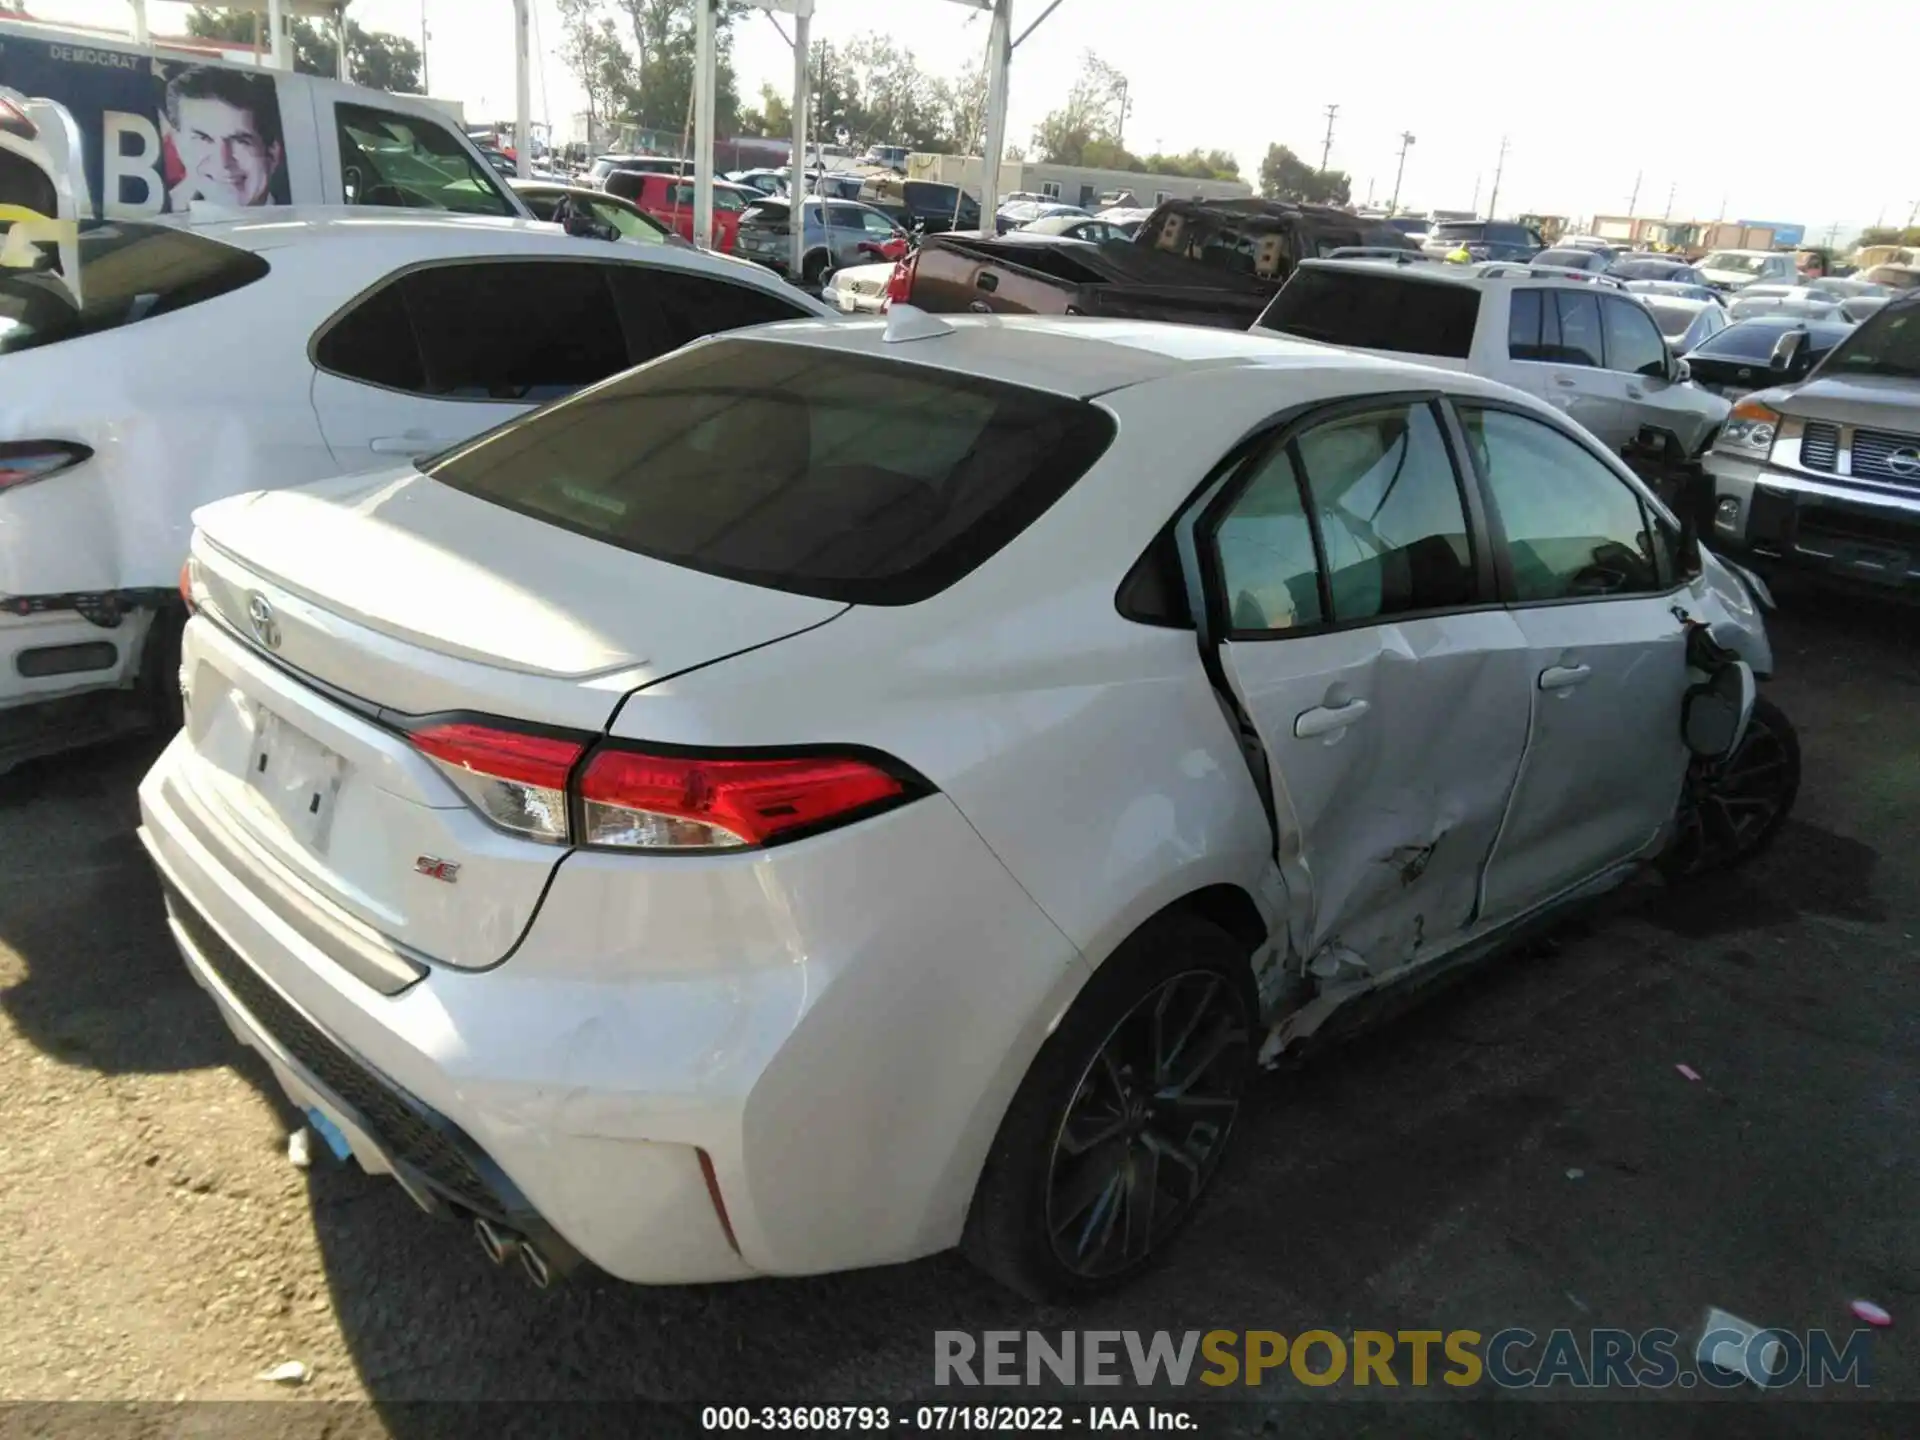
(305, 677)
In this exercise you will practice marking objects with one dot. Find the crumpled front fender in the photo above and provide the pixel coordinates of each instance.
(1731, 603)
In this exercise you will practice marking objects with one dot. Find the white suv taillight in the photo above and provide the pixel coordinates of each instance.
(630, 798)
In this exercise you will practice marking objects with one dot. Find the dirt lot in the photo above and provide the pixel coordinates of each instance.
(156, 1243)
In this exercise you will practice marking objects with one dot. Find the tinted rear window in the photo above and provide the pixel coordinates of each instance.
(1372, 311)
(1458, 230)
(841, 476)
(128, 273)
(1748, 340)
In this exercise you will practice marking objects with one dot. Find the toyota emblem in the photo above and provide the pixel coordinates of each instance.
(266, 629)
(1905, 462)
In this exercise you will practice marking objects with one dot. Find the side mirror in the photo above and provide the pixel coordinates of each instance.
(583, 226)
(1786, 350)
(1714, 716)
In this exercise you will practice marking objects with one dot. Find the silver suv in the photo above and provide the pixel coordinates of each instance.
(1825, 474)
(1590, 349)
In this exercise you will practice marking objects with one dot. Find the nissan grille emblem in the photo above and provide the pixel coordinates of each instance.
(1905, 462)
(266, 629)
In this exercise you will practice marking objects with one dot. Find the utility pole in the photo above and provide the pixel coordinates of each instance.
(1912, 213)
(1406, 140)
(1493, 201)
(1120, 130)
(1672, 189)
(1327, 148)
(1634, 198)
(425, 87)
(1833, 233)
(1476, 195)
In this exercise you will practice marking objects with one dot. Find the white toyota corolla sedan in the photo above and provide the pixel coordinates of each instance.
(845, 790)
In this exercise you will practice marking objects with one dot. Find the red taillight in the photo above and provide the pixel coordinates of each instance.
(900, 282)
(24, 461)
(631, 799)
(517, 780)
(15, 121)
(639, 801)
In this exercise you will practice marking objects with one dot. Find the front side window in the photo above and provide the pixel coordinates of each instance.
(1633, 340)
(1573, 529)
(411, 163)
(1579, 328)
(876, 224)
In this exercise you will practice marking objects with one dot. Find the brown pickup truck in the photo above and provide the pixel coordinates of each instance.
(1020, 274)
(1202, 262)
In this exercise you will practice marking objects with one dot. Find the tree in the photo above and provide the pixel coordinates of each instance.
(1887, 235)
(374, 58)
(591, 49)
(774, 118)
(1285, 176)
(664, 40)
(1085, 130)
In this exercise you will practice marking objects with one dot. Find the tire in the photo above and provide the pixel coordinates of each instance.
(1055, 1220)
(1720, 825)
(813, 270)
(159, 681)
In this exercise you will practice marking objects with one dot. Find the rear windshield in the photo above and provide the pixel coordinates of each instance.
(128, 273)
(924, 195)
(1372, 311)
(1755, 339)
(1458, 230)
(847, 477)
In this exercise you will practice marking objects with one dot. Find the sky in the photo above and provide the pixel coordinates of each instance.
(1634, 92)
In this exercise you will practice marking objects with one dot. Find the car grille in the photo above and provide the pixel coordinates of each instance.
(1824, 524)
(1873, 452)
(1820, 446)
(407, 1129)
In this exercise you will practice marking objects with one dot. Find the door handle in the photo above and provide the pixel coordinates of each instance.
(1327, 718)
(980, 307)
(1563, 677)
(988, 281)
(1635, 393)
(1565, 382)
(407, 444)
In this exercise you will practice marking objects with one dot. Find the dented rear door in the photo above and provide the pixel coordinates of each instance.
(1359, 634)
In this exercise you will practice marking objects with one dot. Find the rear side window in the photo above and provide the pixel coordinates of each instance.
(662, 309)
(128, 273)
(846, 477)
(1372, 311)
(525, 333)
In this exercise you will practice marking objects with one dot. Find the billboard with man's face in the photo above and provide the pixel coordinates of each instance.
(158, 135)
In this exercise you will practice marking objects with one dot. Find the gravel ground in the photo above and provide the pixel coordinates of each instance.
(155, 1242)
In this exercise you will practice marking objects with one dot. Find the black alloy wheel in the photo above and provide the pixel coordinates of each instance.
(1731, 810)
(1147, 1125)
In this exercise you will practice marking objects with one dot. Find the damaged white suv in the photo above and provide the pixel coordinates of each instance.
(850, 789)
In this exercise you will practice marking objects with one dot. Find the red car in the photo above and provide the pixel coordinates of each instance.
(669, 199)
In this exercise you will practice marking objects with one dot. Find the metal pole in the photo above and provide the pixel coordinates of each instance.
(140, 33)
(522, 89)
(426, 86)
(703, 125)
(797, 174)
(1493, 200)
(1120, 130)
(999, 77)
(1406, 139)
(1634, 198)
(1327, 148)
(277, 33)
(344, 70)
(1667, 214)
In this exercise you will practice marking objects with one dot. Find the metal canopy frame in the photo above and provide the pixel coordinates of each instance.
(276, 13)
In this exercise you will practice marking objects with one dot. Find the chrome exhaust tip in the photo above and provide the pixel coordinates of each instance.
(496, 1243)
(535, 1266)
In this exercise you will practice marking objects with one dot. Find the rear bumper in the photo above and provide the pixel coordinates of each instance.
(1780, 516)
(66, 682)
(837, 1029)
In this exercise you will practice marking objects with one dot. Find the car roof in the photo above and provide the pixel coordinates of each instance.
(1085, 356)
(429, 234)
